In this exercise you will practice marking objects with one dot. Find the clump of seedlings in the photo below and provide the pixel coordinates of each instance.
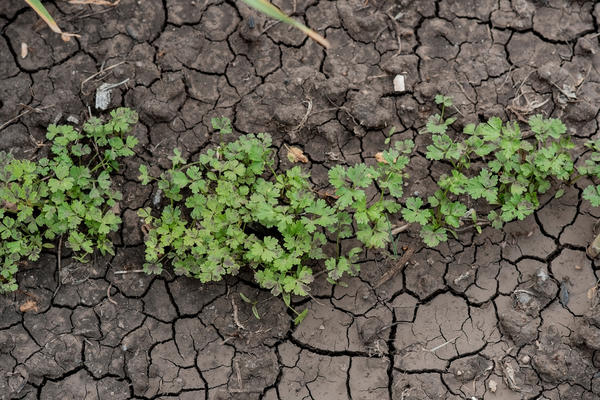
(67, 196)
(229, 209)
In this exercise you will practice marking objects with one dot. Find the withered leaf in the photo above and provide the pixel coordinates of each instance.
(295, 155)
(592, 292)
(8, 206)
(29, 305)
(379, 158)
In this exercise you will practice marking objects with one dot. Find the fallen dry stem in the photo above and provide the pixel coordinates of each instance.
(96, 2)
(235, 315)
(59, 261)
(396, 268)
(400, 229)
(108, 295)
(102, 70)
(29, 110)
(442, 345)
(128, 271)
(309, 107)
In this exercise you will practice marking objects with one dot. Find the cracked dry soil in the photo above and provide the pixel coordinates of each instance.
(501, 315)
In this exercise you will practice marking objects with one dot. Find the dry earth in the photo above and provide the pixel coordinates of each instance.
(501, 315)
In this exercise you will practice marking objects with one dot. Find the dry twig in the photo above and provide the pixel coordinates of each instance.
(108, 295)
(29, 110)
(309, 107)
(128, 271)
(235, 315)
(96, 2)
(102, 70)
(59, 257)
(442, 345)
(396, 268)
(400, 229)
(396, 31)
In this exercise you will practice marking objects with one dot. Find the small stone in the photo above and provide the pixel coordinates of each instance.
(399, 83)
(578, 267)
(103, 96)
(523, 298)
(542, 275)
(492, 385)
(321, 327)
(525, 359)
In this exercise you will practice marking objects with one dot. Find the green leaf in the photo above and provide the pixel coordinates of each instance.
(453, 212)
(394, 185)
(592, 194)
(445, 100)
(345, 197)
(179, 179)
(255, 311)
(491, 130)
(433, 153)
(300, 317)
(337, 176)
(221, 124)
(484, 186)
(434, 126)
(144, 177)
(433, 236)
(62, 170)
(122, 119)
(176, 158)
(495, 219)
(361, 176)
(104, 180)
(131, 141)
(246, 299)
(413, 213)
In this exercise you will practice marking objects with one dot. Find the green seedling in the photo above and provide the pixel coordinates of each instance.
(253, 303)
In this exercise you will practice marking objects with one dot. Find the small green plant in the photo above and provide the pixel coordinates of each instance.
(230, 209)
(253, 303)
(513, 171)
(68, 194)
(591, 168)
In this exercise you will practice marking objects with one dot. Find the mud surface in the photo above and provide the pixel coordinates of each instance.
(501, 315)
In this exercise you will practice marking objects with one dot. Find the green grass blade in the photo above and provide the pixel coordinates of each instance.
(39, 8)
(272, 11)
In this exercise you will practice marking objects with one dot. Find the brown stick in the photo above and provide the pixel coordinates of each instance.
(59, 260)
(108, 295)
(29, 110)
(102, 70)
(396, 268)
(235, 316)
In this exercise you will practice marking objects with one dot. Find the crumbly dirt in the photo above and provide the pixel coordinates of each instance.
(501, 315)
